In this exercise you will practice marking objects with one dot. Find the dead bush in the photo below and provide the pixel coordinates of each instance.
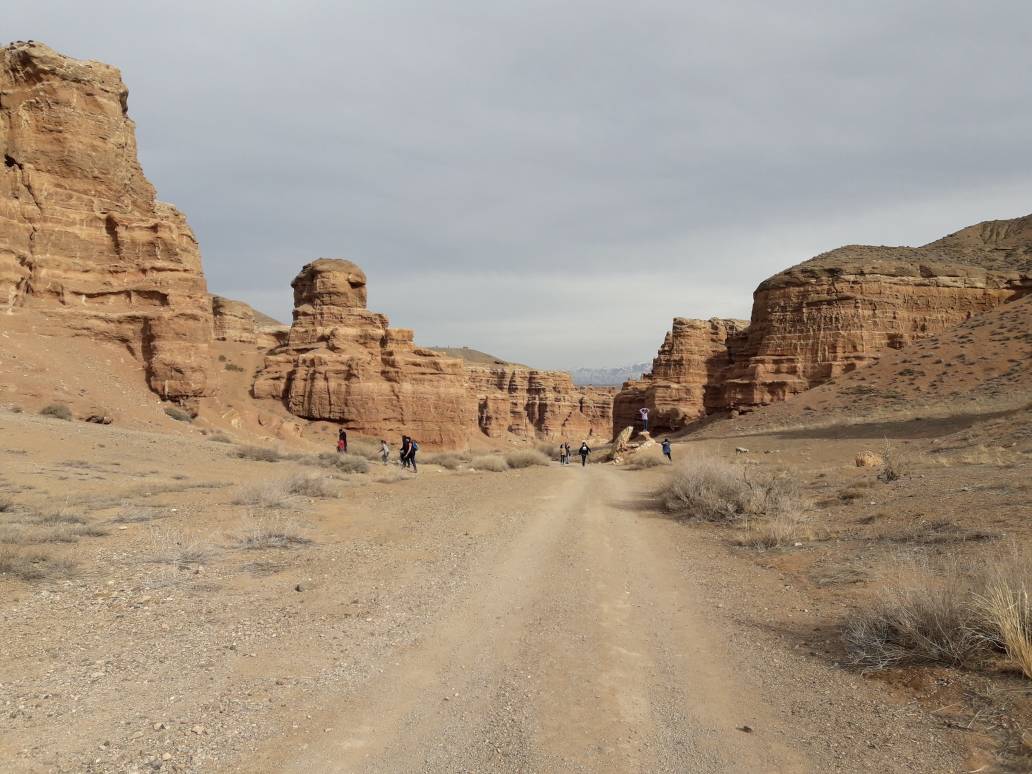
(1004, 609)
(263, 533)
(178, 549)
(718, 491)
(32, 565)
(896, 463)
(58, 411)
(258, 453)
(342, 463)
(447, 460)
(178, 414)
(220, 438)
(526, 458)
(131, 514)
(364, 449)
(494, 463)
(263, 494)
(646, 460)
(782, 529)
(310, 486)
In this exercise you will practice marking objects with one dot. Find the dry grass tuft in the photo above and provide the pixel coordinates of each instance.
(220, 438)
(365, 449)
(32, 565)
(311, 486)
(258, 453)
(646, 460)
(178, 549)
(137, 514)
(494, 463)
(897, 463)
(342, 463)
(526, 458)
(264, 494)
(447, 460)
(1005, 608)
(713, 490)
(262, 533)
(782, 529)
(58, 411)
(178, 414)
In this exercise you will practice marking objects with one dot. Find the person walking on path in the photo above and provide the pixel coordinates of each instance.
(342, 441)
(562, 454)
(385, 451)
(406, 442)
(566, 446)
(644, 413)
(412, 449)
(666, 449)
(585, 450)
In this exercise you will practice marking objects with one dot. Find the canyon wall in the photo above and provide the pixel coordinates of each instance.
(84, 244)
(342, 363)
(239, 322)
(516, 401)
(684, 383)
(839, 311)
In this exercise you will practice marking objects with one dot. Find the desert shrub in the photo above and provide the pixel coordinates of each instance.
(949, 617)
(717, 491)
(310, 486)
(58, 411)
(220, 438)
(222, 358)
(130, 514)
(492, 462)
(178, 414)
(233, 367)
(258, 534)
(365, 449)
(647, 460)
(7, 504)
(31, 565)
(258, 453)
(896, 463)
(448, 460)
(549, 448)
(526, 458)
(342, 463)
(178, 549)
(782, 529)
(263, 494)
(59, 517)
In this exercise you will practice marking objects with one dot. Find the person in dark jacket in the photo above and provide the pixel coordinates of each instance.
(585, 450)
(666, 449)
(403, 452)
(412, 449)
(342, 441)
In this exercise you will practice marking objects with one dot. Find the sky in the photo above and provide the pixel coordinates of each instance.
(553, 182)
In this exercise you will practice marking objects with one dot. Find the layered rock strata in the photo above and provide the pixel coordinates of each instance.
(686, 377)
(838, 311)
(527, 403)
(83, 240)
(239, 322)
(343, 363)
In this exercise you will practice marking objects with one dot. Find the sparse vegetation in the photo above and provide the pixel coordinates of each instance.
(178, 414)
(647, 460)
(717, 491)
(310, 486)
(782, 529)
(233, 367)
(896, 463)
(342, 463)
(7, 505)
(32, 565)
(526, 458)
(447, 460)
(263, 533)
(58, 411)
(220, 438)
(177, 549)
(492, 462)
(263, 494)
(258, 453)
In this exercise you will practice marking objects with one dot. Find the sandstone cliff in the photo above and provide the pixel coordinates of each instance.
(343, 363)
(685, 380)
(838, 311)
(83, 241)
(527, 403)
(237, 321)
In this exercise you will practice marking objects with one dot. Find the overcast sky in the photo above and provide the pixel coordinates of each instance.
(554, 181)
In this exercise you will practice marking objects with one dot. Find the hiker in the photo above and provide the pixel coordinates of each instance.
(406, 442)
(666, 449)
(562, 454)
(385, 451)
(342, 441)
(412, 449)
(644, 412)
(567, 447)
(585, 450)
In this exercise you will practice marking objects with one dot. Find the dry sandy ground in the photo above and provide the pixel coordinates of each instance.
(548, 619)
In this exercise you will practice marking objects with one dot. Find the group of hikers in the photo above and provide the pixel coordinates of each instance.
(409, 447)
(564, 453)
(407, 454)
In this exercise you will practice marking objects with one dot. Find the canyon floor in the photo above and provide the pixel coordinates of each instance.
(185, 617)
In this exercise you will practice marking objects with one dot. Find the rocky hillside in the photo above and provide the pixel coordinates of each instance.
(84, 243)
(607, 377)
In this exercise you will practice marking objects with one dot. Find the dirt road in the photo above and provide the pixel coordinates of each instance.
(580, 645)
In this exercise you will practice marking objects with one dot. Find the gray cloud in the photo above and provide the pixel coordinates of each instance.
(554, 181)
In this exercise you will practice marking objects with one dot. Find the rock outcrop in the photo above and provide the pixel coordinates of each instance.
(237, 321)
(838, 311)
(342, 363)
(526, 403)
(686, 377)
(83, 241)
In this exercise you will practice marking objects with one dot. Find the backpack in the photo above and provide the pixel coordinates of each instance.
(413, 448)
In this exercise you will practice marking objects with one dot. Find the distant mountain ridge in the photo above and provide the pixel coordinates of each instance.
(608, 377)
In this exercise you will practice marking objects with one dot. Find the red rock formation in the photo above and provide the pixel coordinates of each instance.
(516, 401)
(342, 363)
(83, 241)
(840, 310)
(685, 380)
(237, 321)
